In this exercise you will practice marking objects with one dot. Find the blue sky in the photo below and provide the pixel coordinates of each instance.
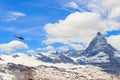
(49, 25)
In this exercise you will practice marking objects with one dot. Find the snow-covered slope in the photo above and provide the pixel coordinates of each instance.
(101, 57)
(73, 73)
(11, 71)
(24, 67)
(54, 58)
(73, 53)
(6, 76)
(22, 59)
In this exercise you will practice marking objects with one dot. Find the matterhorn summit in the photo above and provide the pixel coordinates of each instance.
(98, 51)
(99, 44)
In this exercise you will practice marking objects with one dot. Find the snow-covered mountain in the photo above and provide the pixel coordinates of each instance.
(98, 51)
(11, 71)
(99, 44)
(73, 53)
(65, 65)
(54, 58)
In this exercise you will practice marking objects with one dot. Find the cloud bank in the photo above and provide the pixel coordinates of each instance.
(12, 46)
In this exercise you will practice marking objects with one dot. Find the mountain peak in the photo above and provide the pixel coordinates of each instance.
(99, 34)
(100, 39)
(99, 44)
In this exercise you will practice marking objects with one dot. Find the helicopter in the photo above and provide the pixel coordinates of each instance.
(19, 37)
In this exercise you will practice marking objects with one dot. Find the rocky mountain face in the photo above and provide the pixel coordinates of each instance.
(73, 53)
(99, 44)
(99, 49)
(12, 71)
(55, 58)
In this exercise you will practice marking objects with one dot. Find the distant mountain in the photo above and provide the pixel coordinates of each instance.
(98, 51)
(54, 58)
(99, 44)
(73, 53)
(43, 58)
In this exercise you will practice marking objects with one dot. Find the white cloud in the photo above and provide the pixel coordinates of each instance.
(77, 27)
(114, 40)
(74, 23)
(113, 9)
(17, 14)
(63, 48)
(103, 7)
(115, 13)
(52, 49)
(111, 3)
(11, 16)
(12, 46)
(114, 25)
(31, 51)
(108, 8)
(72, 5)
(76, 46)
(48, 48)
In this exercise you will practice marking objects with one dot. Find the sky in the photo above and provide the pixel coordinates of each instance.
(57, 25)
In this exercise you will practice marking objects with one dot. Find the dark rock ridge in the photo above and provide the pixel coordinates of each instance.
(18, 67)
(15, 56)
(43, 58)
(54, 58)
